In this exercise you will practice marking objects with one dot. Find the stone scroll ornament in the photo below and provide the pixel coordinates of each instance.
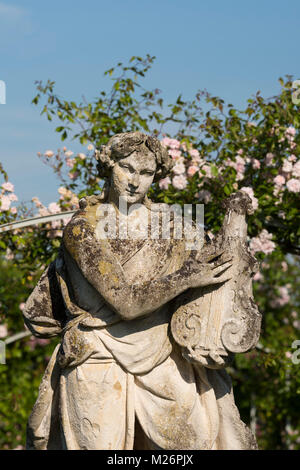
(211, 323)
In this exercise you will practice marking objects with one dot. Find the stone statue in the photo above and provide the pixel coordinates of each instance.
(147, 326)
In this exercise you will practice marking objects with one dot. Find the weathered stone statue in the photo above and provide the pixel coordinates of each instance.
(147, 325)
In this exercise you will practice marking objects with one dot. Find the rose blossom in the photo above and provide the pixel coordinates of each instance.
(166, 141)
(5, 203)
(164, 183)
(279, 180)
(194, 153)
(207, 169)
(290, 131)
(257, 276)
(43, 211)
(37, 202)
(8, 187)
(283, 298)
(255, 164)
(287, 166)
(63, 191)
(175, 154)
(296, 170)
(262, 243)
(293, 185)
(179, 169)
(174, 144)
(179, 182)
(54, 208)
(192, 170)
(3, 331)
(70, 162)
(269, 159)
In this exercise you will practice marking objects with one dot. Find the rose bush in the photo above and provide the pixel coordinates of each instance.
(217, 149)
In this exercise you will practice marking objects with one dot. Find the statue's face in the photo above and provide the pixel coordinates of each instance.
(132, 176)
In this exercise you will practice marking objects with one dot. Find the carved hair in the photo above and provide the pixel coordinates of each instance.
(122, 145)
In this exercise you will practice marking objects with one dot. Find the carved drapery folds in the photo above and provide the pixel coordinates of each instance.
(213, 322)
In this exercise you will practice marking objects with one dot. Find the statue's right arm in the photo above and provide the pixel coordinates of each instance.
(103, 271)
(44, 311)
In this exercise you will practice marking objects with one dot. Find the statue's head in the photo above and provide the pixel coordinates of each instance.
(131, 162)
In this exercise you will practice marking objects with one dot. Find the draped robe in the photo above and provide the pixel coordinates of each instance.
(116, 384)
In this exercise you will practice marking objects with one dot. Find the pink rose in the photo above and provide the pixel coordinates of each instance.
(192, 170)
(179, 169)
(269, 159)
(175, 154)
(179, 182)
(37, 202)
(279, 180)
(283, 298)
(63, 191)
(262, 243)
(166, 141)
(174, 144)
(290, 131)
(287, 166)
(255, 164)
(5, 203)
(296, 170)
(293, 185)
(3, 331)
(54, 208)
(164, 183)
(257, 276)
(207, 169)
(8, 187)
(194, 154)
(70, 162)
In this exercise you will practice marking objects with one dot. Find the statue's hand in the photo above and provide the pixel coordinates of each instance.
(210, 271)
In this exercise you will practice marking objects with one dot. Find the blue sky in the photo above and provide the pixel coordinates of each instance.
(232, 48)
